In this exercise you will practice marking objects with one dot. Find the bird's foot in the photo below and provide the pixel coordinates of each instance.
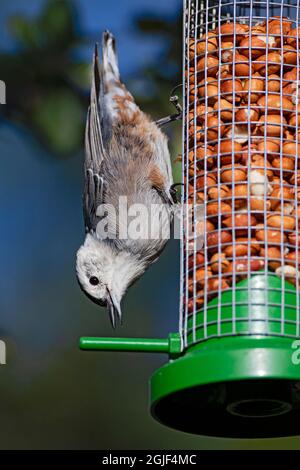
(173, 117)
(173, 192)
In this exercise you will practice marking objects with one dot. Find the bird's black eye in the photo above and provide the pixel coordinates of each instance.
(94, 281)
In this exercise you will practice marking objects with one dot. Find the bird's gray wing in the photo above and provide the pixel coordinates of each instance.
(94, 150)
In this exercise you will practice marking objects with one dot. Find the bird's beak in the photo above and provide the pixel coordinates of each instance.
(114, 309)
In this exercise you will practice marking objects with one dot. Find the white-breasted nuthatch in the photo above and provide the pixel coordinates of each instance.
(126, 157)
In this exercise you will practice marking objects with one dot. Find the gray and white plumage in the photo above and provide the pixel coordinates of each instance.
(126, 155)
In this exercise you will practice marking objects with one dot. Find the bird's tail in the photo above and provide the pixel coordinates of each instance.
(110, 58)
(118, 102)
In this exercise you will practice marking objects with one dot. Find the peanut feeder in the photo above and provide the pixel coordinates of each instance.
(234, 368)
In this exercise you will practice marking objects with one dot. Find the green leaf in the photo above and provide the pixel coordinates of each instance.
(59, 120)
(57, 22)
(152, 25)
(25, 31)
(80, 74)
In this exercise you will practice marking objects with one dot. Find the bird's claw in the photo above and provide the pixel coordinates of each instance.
(172, 117)
(175, 101)
(173, 192)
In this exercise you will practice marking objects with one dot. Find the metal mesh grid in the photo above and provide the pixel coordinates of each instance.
(240, 165)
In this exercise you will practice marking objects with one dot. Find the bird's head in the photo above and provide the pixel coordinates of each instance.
(104, 273)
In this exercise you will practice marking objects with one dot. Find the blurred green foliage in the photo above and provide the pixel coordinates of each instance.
(47, 85)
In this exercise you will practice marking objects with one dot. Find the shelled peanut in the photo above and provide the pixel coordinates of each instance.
(243, 144)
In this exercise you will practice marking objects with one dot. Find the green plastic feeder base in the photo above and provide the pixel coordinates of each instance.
(238, 387)
(242, 386)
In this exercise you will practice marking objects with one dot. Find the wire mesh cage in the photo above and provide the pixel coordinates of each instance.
(241, 165)
(239, 314)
